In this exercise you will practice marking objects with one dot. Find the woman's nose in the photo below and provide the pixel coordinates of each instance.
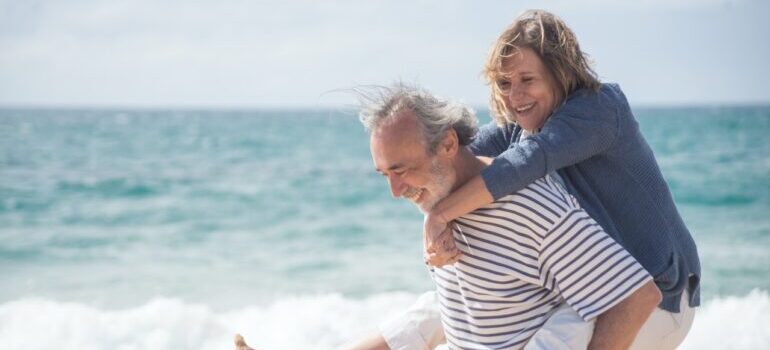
(514, 91)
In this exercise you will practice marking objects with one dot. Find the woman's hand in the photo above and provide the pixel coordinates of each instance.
(438, 241)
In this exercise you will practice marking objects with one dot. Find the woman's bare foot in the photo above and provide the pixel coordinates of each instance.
(240, 344)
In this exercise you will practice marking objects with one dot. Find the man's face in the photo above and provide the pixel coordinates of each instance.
(412, 172)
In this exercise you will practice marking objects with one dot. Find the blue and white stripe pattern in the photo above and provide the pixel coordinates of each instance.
(523, 256)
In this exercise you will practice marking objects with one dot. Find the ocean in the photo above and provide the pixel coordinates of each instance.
(175, 229)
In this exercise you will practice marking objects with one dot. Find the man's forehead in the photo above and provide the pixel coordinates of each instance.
(397, 142)
(401, 128)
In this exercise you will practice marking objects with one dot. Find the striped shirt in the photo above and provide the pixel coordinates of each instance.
(523, 256)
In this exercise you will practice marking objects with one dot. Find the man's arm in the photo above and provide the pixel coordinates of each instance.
(617, 327)
(596, 276)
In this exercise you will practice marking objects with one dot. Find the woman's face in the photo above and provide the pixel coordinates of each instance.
(528, 89)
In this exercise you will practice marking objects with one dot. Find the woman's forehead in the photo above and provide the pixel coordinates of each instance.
(525, 60)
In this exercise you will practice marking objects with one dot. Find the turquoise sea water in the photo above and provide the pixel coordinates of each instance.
(112, 213)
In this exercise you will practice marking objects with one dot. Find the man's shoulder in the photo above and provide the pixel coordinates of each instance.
(545, 191)
(537, 206)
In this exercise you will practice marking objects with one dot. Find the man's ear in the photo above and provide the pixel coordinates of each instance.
(449, 144)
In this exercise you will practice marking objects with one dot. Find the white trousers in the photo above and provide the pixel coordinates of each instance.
(665, 330)
(419, 328)
(564, 330)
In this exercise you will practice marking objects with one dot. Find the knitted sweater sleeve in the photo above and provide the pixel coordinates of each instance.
(491, 140)
(585, 125)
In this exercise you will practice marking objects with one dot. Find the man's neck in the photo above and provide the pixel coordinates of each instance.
(466, 166)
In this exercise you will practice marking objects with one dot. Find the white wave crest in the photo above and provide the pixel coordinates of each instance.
(732, 323)
(307, 322)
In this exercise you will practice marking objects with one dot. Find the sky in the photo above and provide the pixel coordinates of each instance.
(236, 54)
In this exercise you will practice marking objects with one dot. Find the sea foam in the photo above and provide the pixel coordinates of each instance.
(732, 323)
(307, 322)
(303, 322)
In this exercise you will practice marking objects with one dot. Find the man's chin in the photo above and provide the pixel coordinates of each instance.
(426, 206)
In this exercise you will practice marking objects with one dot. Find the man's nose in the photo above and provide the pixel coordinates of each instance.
(396, 185)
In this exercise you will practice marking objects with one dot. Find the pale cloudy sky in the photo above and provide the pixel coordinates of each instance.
(293, 53)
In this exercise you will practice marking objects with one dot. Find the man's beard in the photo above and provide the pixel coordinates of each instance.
(443, 178)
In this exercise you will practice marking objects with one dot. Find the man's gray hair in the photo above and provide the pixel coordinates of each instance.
(434, 115)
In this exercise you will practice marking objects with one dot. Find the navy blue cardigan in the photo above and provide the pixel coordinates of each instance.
(594, 143)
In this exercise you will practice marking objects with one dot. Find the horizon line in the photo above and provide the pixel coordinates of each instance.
(341, 107)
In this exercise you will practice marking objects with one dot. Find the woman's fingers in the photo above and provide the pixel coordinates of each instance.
(443, 250)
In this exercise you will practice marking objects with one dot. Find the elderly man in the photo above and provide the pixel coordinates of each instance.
(526, 257)
(535, 271)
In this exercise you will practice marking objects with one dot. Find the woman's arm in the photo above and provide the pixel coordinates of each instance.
(491, 140)
(584, 126)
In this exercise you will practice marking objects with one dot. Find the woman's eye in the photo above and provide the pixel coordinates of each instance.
(526, 79)
(503, 84)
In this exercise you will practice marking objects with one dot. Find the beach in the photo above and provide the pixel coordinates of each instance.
(176, 229)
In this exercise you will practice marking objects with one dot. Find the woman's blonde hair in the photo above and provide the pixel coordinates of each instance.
(554, 43)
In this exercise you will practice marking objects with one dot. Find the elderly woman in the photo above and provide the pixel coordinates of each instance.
(552, 115)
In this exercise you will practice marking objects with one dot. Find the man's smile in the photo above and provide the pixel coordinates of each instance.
(413, 194)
